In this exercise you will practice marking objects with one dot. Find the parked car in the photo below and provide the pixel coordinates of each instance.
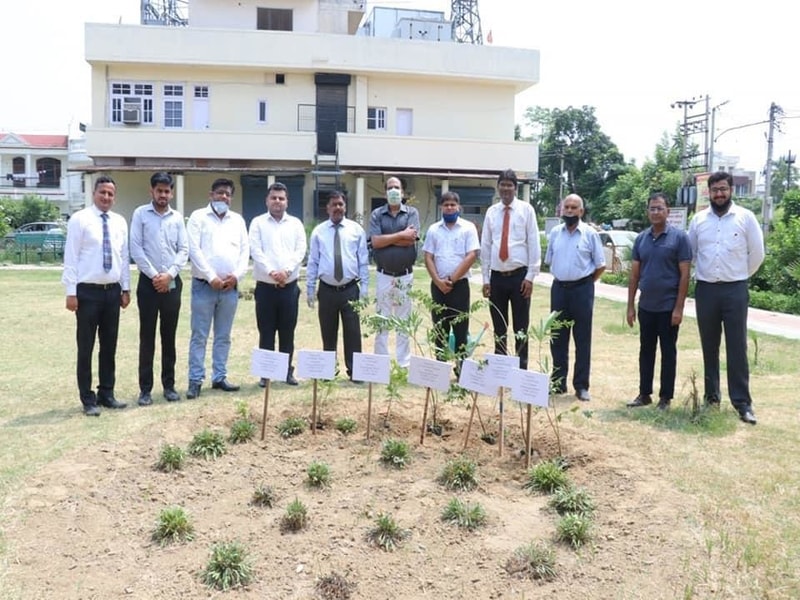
(617, 245)
(44, 235)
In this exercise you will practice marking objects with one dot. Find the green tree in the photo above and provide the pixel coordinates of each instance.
(32, 208)
(790, 205)
(784, 178)
(574, 155)
(783, 256)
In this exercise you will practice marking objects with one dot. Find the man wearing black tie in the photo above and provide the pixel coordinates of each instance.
(97, 281)
(338, 257)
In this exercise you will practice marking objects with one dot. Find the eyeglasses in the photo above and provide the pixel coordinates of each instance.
(655, 209)
(715, 190)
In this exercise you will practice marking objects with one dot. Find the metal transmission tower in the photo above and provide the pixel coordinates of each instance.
(170, 13)
(466, 22)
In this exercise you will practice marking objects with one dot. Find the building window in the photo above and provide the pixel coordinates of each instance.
(274, 19)
(201, 91)
(173, 106)
(49, 170)
(132, 95)
(263, 111)
(18, 169)
(280, 78)
(376, 118)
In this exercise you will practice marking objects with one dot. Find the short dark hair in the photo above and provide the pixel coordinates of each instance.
(337, 194)
(278, 187)
(507, 175)
(450, 195)
(223, 182)
(658, 196)
(104, 179)
(720, 176)
(161, 178)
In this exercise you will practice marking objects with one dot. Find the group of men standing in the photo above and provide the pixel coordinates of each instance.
(724, 240)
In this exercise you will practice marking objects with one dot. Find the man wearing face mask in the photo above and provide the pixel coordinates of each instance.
(728, 247)
(219, 252)
(393, 234)
(278, 246)
(510, 259)
(451, 246)
(576, 259)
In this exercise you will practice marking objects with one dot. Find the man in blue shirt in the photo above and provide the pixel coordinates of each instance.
(660, 264)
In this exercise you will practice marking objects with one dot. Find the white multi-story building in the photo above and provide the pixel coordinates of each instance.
(295, 91)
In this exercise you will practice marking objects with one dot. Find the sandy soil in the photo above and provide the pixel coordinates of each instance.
(81, 527)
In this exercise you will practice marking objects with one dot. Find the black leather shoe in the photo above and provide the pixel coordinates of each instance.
(711, 403)
(641, 400)
(145, 399)
(110, 402)
(224, 385)
(290, 380)
(170, 395)
(262, 383)
(583, 395)
(91, 410)
(663, 404)
(194, 390)
(748, 417)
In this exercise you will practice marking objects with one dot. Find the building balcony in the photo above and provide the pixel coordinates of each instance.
(108, 44)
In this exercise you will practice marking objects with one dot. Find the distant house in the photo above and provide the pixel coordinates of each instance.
(37, 165)
(316, 96)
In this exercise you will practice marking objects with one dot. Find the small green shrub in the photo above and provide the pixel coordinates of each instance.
(318, 474)
(243, 409)
(574, 529)
(395, 453)
(291, 426)
(464, 514)
(346, 425)
(296, 516)
(535, 561)
(459, 474)
(171, 458)
(568, 500)
(173, 525)
(547, 477)
(242, 430)
(386, 534)
(207, 444)
(229, 567)
(264, 495)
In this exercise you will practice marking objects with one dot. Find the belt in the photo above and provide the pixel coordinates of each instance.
(276, 286)
(407, 271)
(99, 286)
(519, 271)
(201, 280)
(340, 288)
(572, 284)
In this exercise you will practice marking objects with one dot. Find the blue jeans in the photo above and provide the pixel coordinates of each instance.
(210, 305)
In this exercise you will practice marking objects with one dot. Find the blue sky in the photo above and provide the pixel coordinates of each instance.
(630, 61)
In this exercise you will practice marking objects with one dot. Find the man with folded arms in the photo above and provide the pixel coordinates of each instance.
(338, 258)
(97, 281)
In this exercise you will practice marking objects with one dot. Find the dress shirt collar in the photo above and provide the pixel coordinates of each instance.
(385, 208)
(151, 207)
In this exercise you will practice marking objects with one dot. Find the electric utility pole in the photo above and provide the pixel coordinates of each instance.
(775, 111)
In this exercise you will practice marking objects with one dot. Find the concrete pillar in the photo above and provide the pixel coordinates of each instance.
(180, 190)
(445, 186)
(359, 208)
(526, 192)
(88, 189)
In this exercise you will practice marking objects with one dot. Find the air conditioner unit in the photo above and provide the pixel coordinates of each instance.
(132, 111)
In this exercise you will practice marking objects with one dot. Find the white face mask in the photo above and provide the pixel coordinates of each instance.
(219, 207)
(394, 197)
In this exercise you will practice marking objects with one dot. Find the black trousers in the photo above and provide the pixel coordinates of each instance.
(721, 305)
(276, 312)
(656, 329)
(456, 302)
(333, 305)
(153, 304)
(97, 318)
(505, 290)
(575, 303)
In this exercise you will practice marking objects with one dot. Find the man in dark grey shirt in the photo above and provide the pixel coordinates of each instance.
(393, 234)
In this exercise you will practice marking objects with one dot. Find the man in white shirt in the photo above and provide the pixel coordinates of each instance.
(728, 247)
(97, 281)
(219, 252)
(278, 246)
(343, 275)
(160, 249)
(451, 247)
(510, 259)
